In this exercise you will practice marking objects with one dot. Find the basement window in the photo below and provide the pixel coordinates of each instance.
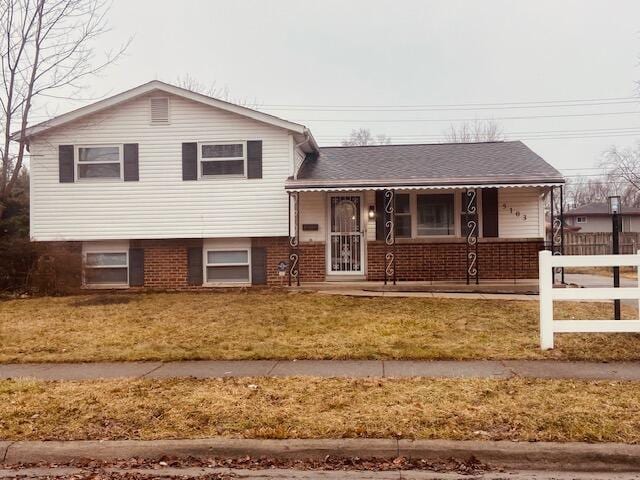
(228, 266)
(106, 269)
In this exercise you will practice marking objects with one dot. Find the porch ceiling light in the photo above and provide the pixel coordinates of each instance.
(372, 211)
(614, 204)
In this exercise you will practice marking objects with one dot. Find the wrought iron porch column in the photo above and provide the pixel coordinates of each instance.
(294, 253)
(389, 236)
(471, 221)
(557, 229)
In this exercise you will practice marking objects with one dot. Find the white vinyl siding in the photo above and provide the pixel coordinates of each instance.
(161, 204)
(519, 213)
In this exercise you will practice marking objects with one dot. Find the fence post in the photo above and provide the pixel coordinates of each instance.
(545, 277)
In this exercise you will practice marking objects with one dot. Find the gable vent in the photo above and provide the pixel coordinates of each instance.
(159, 110)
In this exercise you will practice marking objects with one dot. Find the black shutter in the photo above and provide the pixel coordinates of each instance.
(254, 159)
(489, 212)
(136, 267)
(194, 267)
(189, 161)
(131, 173)
(65, 164)
(258, 266)
(379, 215)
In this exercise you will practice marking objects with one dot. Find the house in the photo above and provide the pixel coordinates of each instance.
(595, 218)
(161, 187)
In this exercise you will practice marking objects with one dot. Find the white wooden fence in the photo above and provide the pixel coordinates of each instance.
(549, 326)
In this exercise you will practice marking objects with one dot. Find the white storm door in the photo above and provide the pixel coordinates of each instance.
(345, 235)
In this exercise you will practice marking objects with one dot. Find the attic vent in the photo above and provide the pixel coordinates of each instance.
(159, 110)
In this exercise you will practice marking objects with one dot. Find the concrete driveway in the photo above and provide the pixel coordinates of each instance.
(588, 280)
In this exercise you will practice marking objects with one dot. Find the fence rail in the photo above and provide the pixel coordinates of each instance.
(549, 326)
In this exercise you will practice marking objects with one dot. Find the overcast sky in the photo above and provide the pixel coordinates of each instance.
(399, 53)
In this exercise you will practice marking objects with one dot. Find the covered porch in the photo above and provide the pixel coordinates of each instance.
(473, 230)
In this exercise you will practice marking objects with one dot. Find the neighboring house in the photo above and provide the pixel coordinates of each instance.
(161, 187)
(595, 218)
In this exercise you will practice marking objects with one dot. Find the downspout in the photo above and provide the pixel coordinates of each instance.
(307, 139)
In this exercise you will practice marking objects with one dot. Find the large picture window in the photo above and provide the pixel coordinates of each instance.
(435, 214)
(99, 162)
(106, 268)
(222, 159)
(228, 266)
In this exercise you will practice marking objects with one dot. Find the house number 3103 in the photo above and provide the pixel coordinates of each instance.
(517, 213)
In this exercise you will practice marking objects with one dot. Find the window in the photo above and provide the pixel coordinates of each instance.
(99, 162)
(581, 219)
(106, 268)
(222, 159)
(228, 266)
(435, 214)
(403, 215)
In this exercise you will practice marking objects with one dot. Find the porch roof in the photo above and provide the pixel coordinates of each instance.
(445, 165)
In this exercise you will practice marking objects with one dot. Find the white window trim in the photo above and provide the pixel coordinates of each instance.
(98, 251)
(78, 162)
(231, 175)
(224, 283)
(584, 219)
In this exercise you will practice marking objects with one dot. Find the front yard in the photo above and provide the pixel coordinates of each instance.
(278, 325)
(516, 409)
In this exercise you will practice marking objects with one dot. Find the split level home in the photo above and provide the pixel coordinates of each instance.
(161, 187)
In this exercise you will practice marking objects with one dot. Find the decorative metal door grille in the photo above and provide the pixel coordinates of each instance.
(346, 234)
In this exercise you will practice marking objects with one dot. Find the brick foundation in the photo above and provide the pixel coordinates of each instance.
(312, 259)
(447, 261)
(165, 262)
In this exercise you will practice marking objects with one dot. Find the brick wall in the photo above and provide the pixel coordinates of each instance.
(447, 261)
(165, 262)
(311, 264)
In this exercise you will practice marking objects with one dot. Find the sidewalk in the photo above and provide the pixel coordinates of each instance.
(503, 369)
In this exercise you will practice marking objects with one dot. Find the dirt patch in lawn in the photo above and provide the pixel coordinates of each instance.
(277, 325)
(458, 409)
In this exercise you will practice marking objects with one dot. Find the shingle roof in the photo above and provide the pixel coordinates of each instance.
(423, 164)
(598, 209)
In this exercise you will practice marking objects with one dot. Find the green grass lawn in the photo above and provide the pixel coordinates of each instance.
(457, 409)
(271, 324)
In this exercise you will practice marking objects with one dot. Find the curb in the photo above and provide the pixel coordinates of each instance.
(516, 455)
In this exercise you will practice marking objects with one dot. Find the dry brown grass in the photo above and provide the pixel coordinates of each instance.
(276, 325)
(526, 410)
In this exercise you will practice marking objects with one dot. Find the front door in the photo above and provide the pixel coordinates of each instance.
(345, 235)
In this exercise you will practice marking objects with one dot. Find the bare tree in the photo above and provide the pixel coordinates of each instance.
(46, 49)
(363, 137)
(478, 131)
(213, 90)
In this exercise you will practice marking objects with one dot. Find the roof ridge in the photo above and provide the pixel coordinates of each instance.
(412, 144)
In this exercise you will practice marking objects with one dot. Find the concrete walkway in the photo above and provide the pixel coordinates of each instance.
(328, 368)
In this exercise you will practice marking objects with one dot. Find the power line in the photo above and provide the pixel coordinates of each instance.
(436, 105)
(403, 120)
(441, 109)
